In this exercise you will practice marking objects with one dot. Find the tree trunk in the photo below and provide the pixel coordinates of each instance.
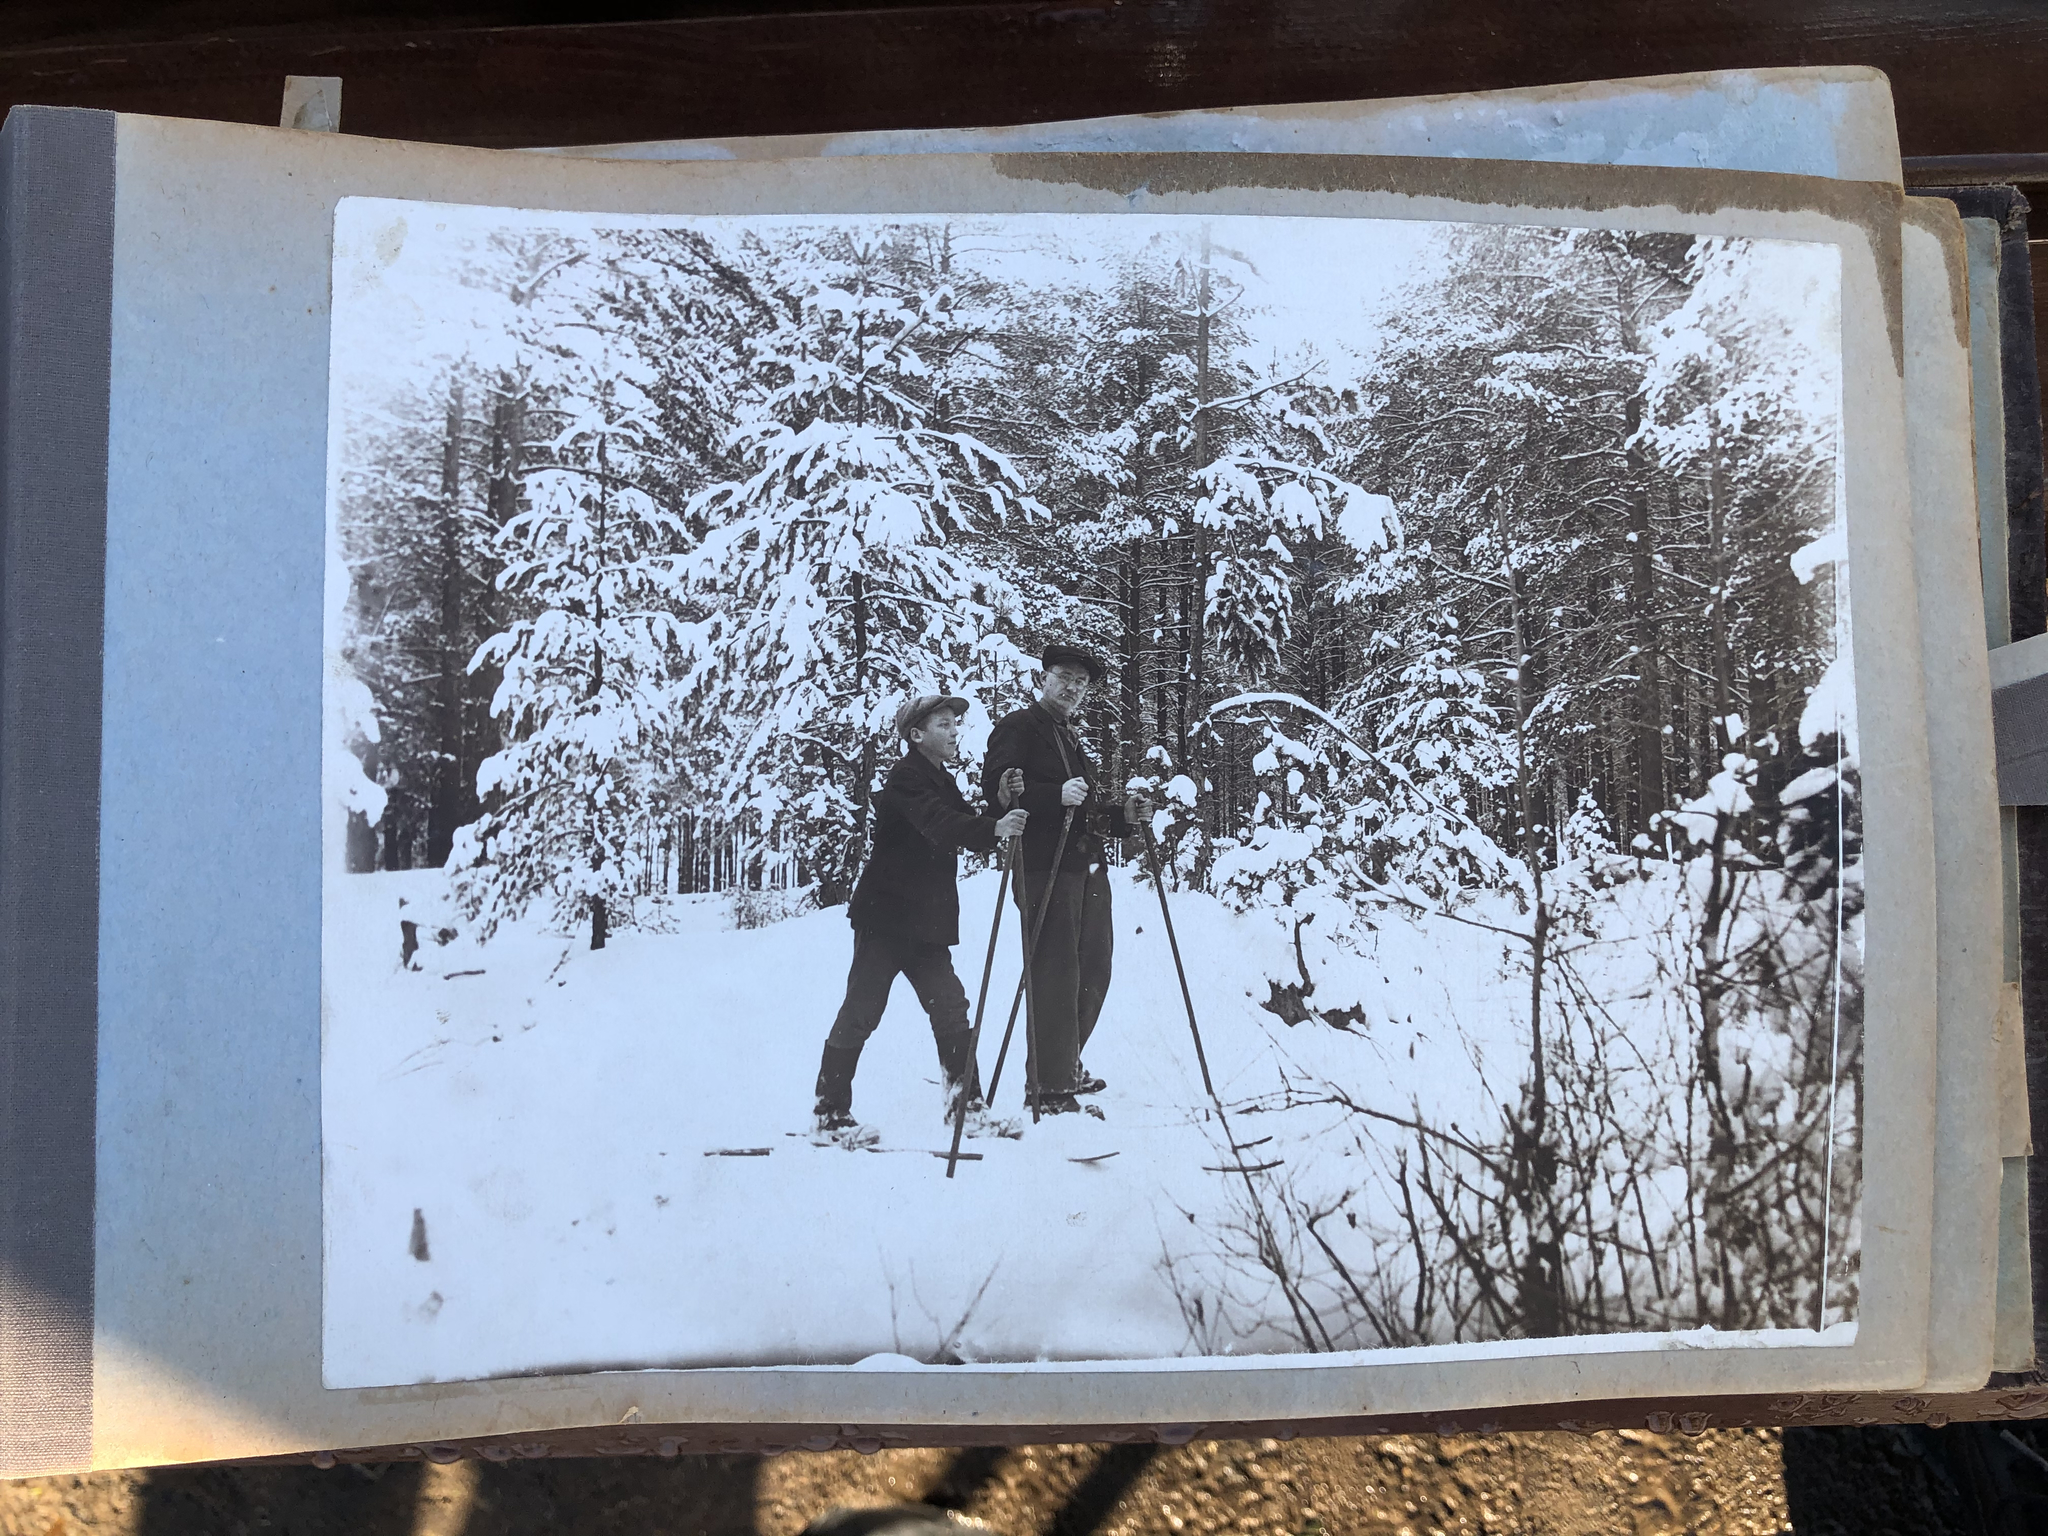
(597, 590)
(1182, 675)
(1131, 700)
(391, 839)
(452, 653)
(1717, 549)
(359, 846)
(1534, 1162)
(837, 888)
(1198, 590)
(1712, 984)
(1649, 795)
(599, 831)
(508, 451)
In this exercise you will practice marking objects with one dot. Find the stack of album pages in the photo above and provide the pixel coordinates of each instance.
(1115, 779)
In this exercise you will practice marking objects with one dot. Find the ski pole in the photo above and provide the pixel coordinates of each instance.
(1251, 1189)
(980, 1002)
(1025, 992)
(1159, 884)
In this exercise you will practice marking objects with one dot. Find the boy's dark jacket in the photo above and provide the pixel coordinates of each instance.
(910, 889)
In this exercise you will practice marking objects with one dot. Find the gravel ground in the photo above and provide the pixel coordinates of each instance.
(1975, 1480)
(1630, 1482)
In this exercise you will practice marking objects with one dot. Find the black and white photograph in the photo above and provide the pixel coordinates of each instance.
(1050, 788)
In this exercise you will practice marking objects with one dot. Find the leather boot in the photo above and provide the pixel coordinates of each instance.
(835, 1083)
(957, 1064)
(963, 1073)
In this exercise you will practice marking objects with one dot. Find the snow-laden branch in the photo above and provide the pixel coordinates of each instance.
(1246, 397)
(1364, 753)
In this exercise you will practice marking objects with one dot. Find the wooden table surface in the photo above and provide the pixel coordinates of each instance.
(1966, 75)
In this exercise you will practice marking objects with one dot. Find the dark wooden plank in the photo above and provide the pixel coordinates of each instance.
(1965, 75)
(121, 22)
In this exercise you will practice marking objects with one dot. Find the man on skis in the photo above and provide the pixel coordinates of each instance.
(1071, 959)
(906, 917)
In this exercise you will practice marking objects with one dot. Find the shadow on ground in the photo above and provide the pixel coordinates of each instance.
(694, 1496)
(1961, 1480)
(1977, 1480)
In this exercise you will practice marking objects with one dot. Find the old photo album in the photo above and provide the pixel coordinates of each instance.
(1085, 789)
(1467, 604)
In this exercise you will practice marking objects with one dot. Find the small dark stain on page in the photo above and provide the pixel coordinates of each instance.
(418, 1246)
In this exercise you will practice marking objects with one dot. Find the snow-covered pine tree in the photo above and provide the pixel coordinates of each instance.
(1339, 833)
(1429, 713)
(840, 565)
(1301, 856)
(587, 671)
(1323, 798)
(1254, 506)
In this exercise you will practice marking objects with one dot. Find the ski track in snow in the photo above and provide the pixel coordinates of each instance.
(550, 1118)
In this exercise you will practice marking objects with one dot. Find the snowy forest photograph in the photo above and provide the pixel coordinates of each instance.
(1392, 679)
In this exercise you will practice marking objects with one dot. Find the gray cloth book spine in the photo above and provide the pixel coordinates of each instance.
(56, 273)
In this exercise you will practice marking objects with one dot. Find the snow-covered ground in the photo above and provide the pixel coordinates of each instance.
(516, 1140)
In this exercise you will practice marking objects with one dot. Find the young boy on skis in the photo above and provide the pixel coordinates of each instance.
(906, 918)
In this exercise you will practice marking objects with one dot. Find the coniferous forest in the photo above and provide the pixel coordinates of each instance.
(1490, 585)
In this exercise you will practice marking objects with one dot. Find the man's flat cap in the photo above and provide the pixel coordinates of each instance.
(919, 706)
(1096, 668)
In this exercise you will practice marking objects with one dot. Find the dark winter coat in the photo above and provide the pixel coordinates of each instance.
(909, 889)
(1045, 747)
